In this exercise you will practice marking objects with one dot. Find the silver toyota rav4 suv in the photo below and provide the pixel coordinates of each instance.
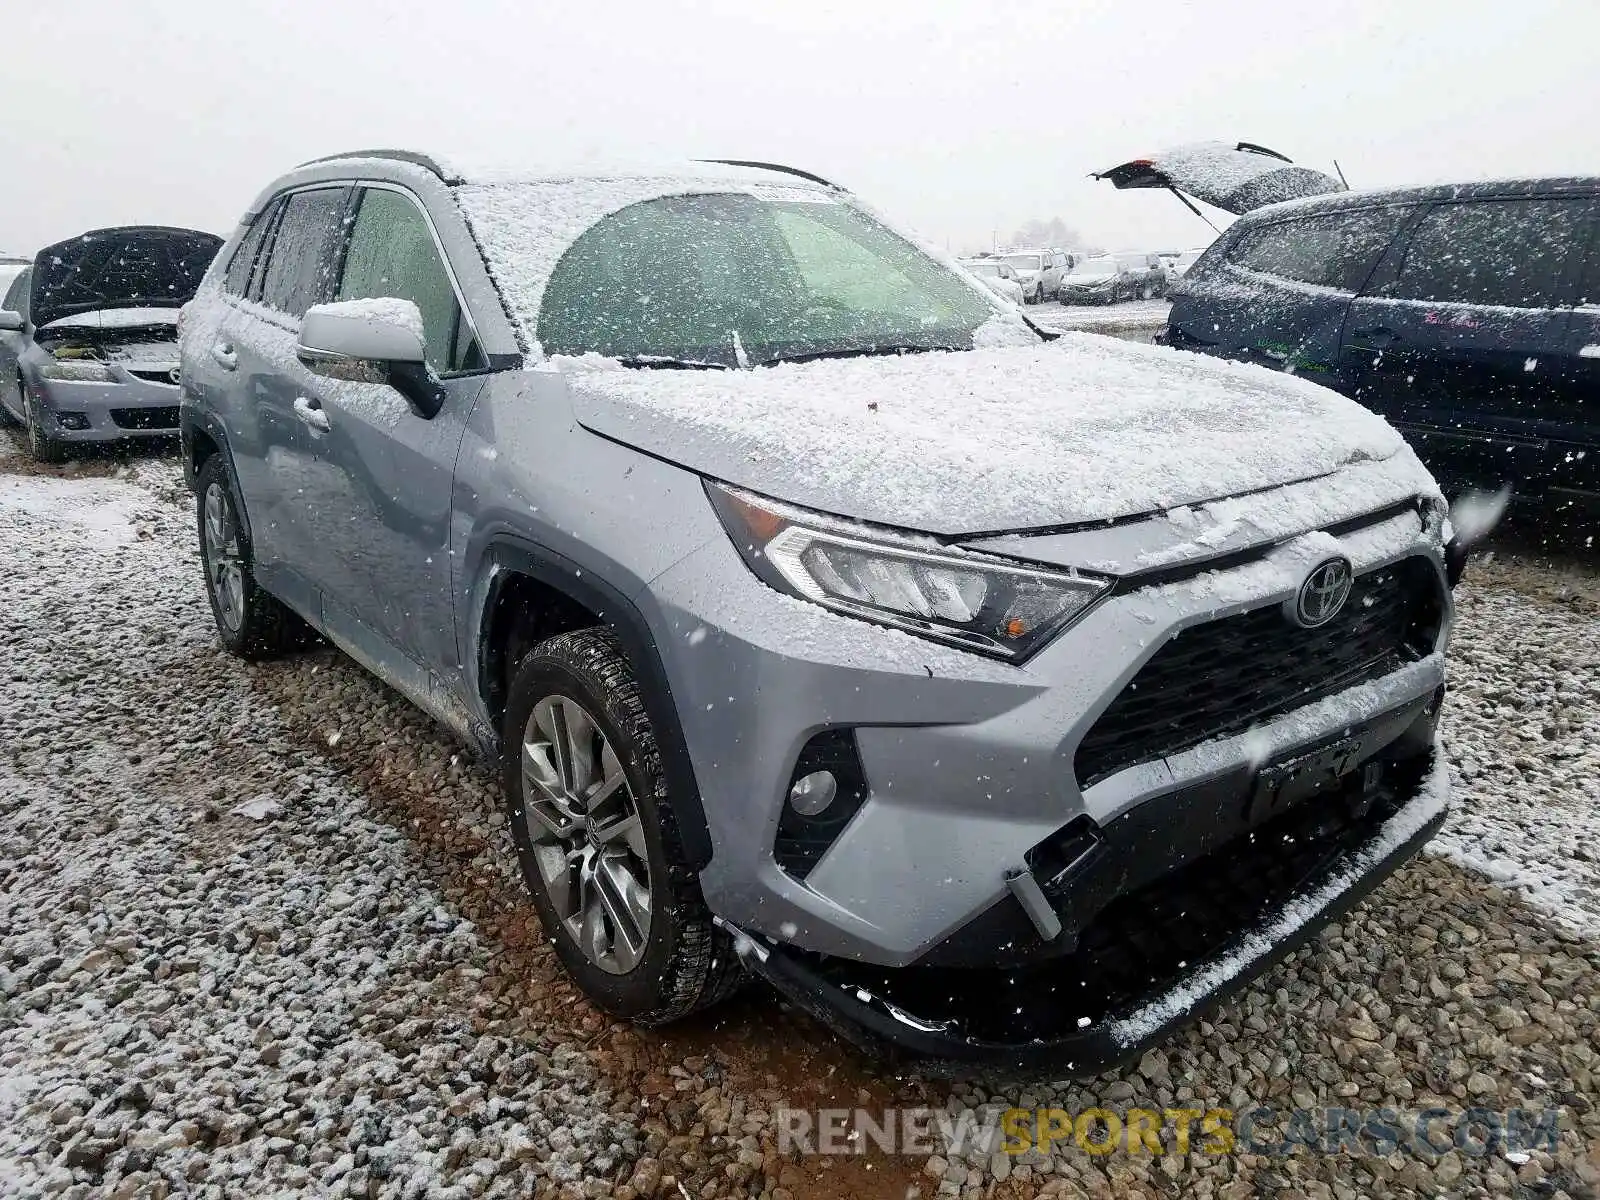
(1003, 699)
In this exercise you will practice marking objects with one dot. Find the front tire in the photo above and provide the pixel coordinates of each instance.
(597, 837)
(253, 624)
(41, 445)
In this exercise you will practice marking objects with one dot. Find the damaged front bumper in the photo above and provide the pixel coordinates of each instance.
(1152, 960)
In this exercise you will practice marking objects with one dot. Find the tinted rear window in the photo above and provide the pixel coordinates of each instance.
(299, 271)
(1503, 252)
(1337, 250)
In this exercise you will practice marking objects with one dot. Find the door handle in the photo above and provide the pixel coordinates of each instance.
(225, 355)
(1376, 337)
(310, 411)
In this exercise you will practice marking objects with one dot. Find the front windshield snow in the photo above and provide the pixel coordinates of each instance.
(730, 279)
(1024, 262)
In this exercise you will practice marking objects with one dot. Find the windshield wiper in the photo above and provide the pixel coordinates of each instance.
(668, 362)
(859, 352)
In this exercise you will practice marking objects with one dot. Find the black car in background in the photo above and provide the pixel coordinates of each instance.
(1468, 315)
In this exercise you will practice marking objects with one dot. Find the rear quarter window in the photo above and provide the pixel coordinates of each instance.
(1336, 250)
(248, 251)
(1501, 253)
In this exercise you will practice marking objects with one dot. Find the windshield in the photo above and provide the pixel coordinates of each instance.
(985, 267)
(729, 279)
(1025, 262)
(1102, 265)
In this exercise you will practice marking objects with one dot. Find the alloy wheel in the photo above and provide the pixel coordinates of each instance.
(588, 843)
(224, 563)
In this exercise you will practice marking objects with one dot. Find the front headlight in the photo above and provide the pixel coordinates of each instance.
(77, 371)
(964, 599)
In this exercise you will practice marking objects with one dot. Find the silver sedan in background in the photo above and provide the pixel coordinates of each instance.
(88, 336)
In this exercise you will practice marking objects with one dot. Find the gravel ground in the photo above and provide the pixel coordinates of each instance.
(261, 933)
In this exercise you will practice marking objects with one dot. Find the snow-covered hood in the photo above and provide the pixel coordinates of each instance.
(1083, 429)
(139, 266)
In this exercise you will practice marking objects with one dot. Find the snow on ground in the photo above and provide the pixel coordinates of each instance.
(213, 960)
(1523, 726)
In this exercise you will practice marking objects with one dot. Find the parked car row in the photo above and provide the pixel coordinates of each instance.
(742, 640)
(1113, 278)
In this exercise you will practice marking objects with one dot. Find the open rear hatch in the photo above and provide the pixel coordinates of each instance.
(1237, 177)
(134, 267)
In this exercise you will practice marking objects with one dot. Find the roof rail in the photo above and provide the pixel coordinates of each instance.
(424, 161)
(779, 167)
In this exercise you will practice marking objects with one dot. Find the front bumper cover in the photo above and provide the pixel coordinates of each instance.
(907, 1013)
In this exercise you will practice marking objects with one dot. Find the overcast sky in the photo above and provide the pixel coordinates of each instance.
(957, 116)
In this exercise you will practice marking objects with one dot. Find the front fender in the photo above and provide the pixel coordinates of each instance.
(505, 553)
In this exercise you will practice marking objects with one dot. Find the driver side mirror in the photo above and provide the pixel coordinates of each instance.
(372, 341)
(11, 321)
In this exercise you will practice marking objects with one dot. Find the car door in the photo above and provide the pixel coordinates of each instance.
(1456, 338)
(1278, 291)
(384, 473)
(12, 342)
(273, 445)
(1575, 463)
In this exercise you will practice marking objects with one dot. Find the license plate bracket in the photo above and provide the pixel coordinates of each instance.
(1283, 784)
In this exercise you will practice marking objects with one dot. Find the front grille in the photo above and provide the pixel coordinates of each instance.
(146, 418)
(1220, 678)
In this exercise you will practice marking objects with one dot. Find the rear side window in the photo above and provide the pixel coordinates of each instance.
(1508, 253)
(299, 268)
(1336, 251)
(244, 258)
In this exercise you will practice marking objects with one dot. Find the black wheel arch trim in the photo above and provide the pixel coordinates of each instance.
(192, 421)
(506, 554)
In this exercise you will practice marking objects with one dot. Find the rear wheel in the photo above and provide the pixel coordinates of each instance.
(40, 444)
(596, 835)
(252, 623)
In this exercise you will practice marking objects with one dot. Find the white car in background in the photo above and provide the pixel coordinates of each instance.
(1038, 271)
(997, 276)
(1180, 265)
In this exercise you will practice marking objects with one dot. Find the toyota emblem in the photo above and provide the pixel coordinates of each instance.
(1322, 595)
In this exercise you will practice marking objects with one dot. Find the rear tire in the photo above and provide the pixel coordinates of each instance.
(597, 837)
(253, 624)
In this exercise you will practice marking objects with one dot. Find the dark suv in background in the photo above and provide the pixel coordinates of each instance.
(1468, 315)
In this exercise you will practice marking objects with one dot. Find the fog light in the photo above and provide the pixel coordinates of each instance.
(71, 420)
(812, 793)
